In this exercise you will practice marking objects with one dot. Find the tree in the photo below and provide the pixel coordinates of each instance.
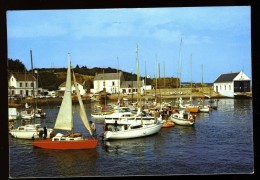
(15, 65)
(49, 80)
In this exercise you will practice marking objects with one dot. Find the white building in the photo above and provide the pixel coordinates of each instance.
(115, 83)
(129, 87)
(82, 91)
(23, 84)
(231, 84)
(110, 82)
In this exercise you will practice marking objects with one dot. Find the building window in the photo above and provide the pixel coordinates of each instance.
(229, 87)
(26, 84)
(21, 84)
(113, 83)
(21, 92)
(225, 87)
(220, 88)
(32, 84)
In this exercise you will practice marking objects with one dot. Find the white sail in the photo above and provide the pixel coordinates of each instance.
(82, 109)
(64, 118)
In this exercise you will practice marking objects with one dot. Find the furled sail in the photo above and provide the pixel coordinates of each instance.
(82, 109)
(64, 118)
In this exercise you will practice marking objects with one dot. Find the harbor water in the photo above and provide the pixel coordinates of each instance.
(220, 142)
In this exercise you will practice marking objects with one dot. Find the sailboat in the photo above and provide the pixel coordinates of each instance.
(203, 107)
(29, 131)
(64, 121)
(126, 128)
(191, 107)
(184, 116)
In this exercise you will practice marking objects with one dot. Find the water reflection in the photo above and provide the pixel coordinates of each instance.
(66, 163)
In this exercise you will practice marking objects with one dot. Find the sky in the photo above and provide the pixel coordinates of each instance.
(194, 43)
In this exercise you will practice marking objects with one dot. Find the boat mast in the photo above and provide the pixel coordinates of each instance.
(164, 78)
(156, 74)
(138, 84)
(160, 85)
(117, 79)
(145, 77)
(179, 69)
(202, 86)
(34, 116)
(69, 66)
(179, 65)
(191, 77)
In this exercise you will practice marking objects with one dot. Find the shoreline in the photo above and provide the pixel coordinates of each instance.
(111, 98)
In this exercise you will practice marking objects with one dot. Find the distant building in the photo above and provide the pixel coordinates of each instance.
(62, 87)
(110, 82)
(231, 84)
(22, 84)
(115, 83)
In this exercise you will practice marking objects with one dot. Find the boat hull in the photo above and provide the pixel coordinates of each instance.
(182, 121)
(28, 132)
(205, 110)
(192, 109)
(64, 145)
(133, 133)
(168, 124)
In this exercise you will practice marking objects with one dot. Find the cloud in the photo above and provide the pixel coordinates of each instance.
(163, 24)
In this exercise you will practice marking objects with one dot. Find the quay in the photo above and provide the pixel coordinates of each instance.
(161, 94)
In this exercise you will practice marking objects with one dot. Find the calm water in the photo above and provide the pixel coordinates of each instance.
(221, 142)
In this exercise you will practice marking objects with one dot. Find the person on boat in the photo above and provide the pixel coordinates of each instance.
(52, 134)
(93, 128)
(11, 125)
(115, 125)
(175, 111)
(44, 132)
(40, 134)
(23, 123)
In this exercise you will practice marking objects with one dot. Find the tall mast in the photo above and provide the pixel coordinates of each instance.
(145, 78)
(179, 64)
(33, 87)
(69, 70)
(164, 78)
(191, 78)
(201, 74)
(117, 78)
(138, 75)
(156, 74)
(160, 84)
(138, 84)
(191, 72)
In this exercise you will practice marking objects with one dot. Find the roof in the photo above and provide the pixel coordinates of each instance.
(226, 77)
(23, 76)
(128, 84)
(108, 76)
